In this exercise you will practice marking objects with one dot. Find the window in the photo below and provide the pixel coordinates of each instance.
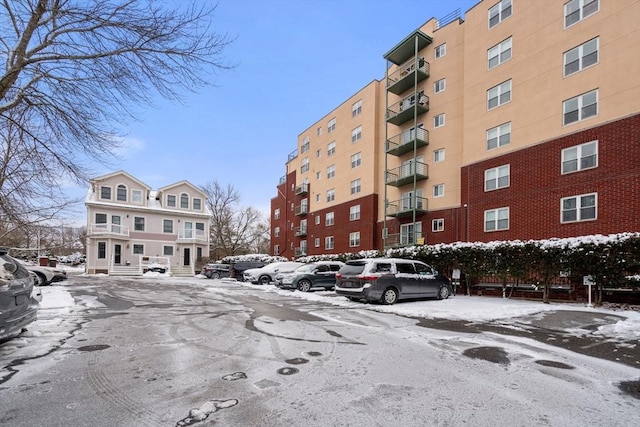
(438, 190)
(331, 149)
(584, 156)
(276, 214)
(331, 195)
(328, 242)
(305, 145)
(438, 155)
(319, 131)
(138, 249)
(496, 219)
(579, 208)
(437, 225)
(136, 196)
(438, 120)
(318, 197)
(499, 136)
(102, 250)
(101, 218)
(318, 175)
(354, 213)
(171, 201)
(581, 107)
(316, 242)
(356, 160)
(496, 178)
(167, 226)
(355, 186)
(329, 218)
(305, 165)
(441, 50)
(276, 249)
(581, 57)
(138, 223)
(105, 193)
(317, 220)
(276, 232)
(439, 86)
(356, 108)
(356, 134)
(410, 233)
(577, 10)
(318, 153)
(499, 13)
(331, 171)
(499, 53)
(499, 95)
(331, 125)
(167, 250)
(121, 193)
(197, 204)
(184, 201)
(354, 239)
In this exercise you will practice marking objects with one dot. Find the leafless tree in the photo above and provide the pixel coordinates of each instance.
(74, 72)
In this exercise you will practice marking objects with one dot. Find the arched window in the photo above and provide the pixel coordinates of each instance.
(122, 193)
(184, 201)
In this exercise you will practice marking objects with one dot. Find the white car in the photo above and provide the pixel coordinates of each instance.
(45, 275)
(267, 274)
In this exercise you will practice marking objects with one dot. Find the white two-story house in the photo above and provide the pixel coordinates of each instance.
(131, 227)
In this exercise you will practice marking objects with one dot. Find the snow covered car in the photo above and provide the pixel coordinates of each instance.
(390, 279)
(267, 274)
(321, 274)
(216, 270)
(45, 275)
(18, 305)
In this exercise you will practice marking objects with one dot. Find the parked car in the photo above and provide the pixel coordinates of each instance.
(390, 279)
(18, 305)
(267, 274)
(239, 267)
(45, 275)
(321, 274)
(216, 271)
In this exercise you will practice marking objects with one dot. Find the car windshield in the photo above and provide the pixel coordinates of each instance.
(306, 268)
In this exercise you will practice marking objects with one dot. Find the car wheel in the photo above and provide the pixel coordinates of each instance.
(390, 296)
(215, 275)
(443, 293)
(264, 280)
(39, 280)
(304, 285)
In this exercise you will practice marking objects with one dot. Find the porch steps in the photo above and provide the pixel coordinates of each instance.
(123, 270)
(185, 271)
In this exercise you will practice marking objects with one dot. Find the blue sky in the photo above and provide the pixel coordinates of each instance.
(296, 61)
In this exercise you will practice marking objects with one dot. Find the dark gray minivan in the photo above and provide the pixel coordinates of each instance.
(390, 279)
(18, 307)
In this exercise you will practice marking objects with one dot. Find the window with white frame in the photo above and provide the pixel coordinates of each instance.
(438, 155)
(438, 120)
(328, 242)
(577, 10)
(304, 167)
(329, 218)
(121, 193)
(496, 219)
(581, 57)
(410, 233)
(356, 134)
(499, 53)
(184, 201)
(331, 125)
(276, 249)
(496, 178)
(276, 232)
(331, 195)
(331, 148)
(167, 250)
(499, 12)
(105, 193)
(138, 223)
(197, 204)
(331, 171)
(499, 95)
(276, 214)
(580, 107)
(354, 239)
(412, 200)
(579, 208)
(437, 225)
(499, 136)
(318, 197)
(102, 250)
(319, 131)
(354, 213)
(138, 249)
(305, 145)
(580, 157)
(136, 196)
(316, 242)
(440, 50)
(167, 226)
(356, 160)
(355, 186)
(439, 85)
(356, 108)
(171, 201)
(438, 190)
(317, 220)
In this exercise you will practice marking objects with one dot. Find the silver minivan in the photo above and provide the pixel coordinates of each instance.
(18, 307)
(390, 279)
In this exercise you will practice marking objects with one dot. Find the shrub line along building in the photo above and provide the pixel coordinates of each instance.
(521, 121)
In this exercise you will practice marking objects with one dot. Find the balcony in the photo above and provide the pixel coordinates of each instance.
(407, 48)
(407, 109)
(292, 155)
(407, 174)
(400, 240)
(301, 189)
(192, 236)
(300, 231)
(109, 230)
(406, 207)
(407, 76)
(406, 141)
(299, 252)
(301, 210)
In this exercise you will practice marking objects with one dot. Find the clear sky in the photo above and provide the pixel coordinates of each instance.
(296, 61)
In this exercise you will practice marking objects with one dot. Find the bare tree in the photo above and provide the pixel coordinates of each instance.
(74, 72)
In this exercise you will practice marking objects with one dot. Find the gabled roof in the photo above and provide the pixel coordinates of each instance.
(117, 173)
(177, 184)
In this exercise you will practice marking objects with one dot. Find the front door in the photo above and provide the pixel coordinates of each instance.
(117, 254)
(187, 256)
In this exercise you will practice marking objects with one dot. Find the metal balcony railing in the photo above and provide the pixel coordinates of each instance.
(302, 189)
(405, 110)
(399, 240)
(406, 174)
(404, 142)
(191, 235)
(406, 207)
(301, 210)
(301, 231)
(404, 77)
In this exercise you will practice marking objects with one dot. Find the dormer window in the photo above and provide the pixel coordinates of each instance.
(197, 204)
(121, 194)
(184, 201)
(171, 201)
(105, 193)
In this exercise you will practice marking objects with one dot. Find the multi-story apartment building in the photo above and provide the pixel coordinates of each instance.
(520, 122)
(131, 227)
